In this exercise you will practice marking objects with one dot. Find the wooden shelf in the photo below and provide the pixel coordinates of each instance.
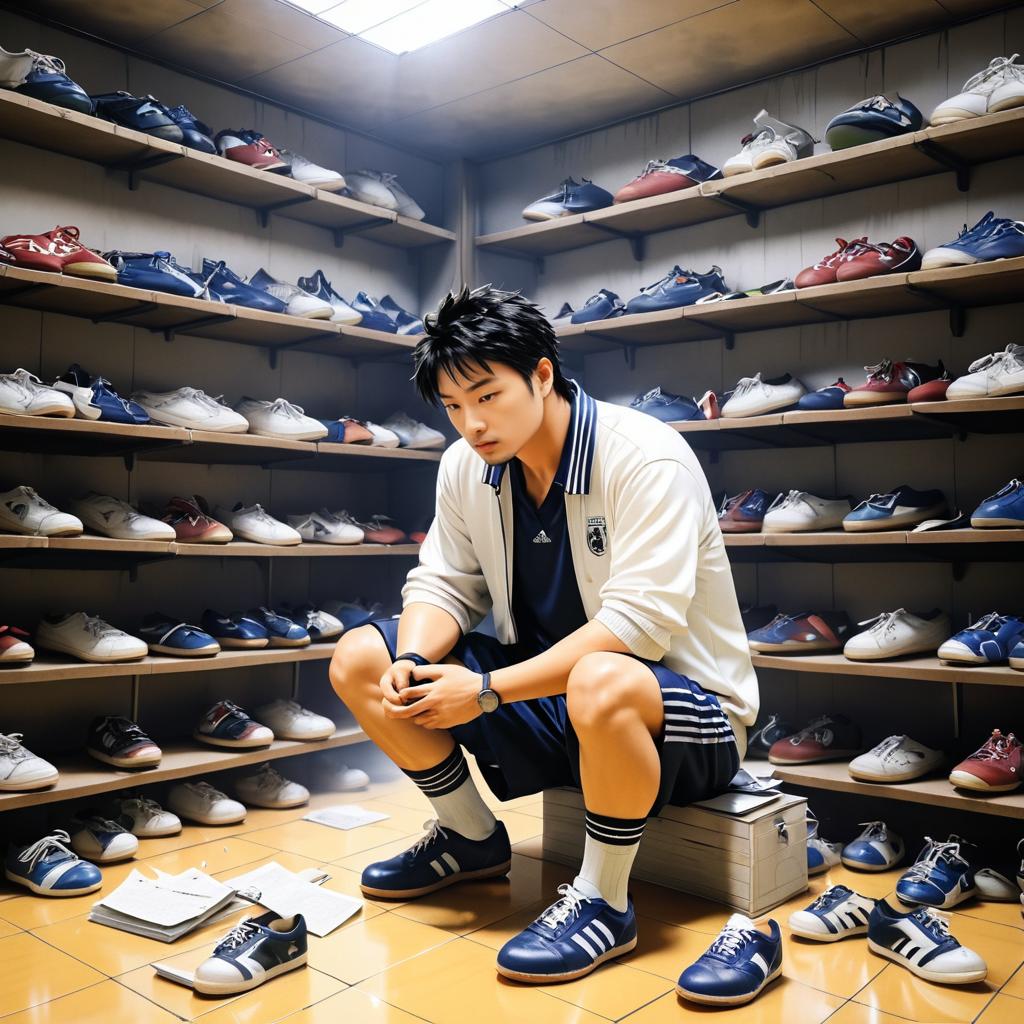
(936, 792)
(953, 288)
(44, 126)
(82, 776)
(930, 151)
(245, 549)
(925, 669)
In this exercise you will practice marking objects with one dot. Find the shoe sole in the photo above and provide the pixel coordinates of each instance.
(854, 399)
(17, 659)
(26, 787)
(226, 988)
(988, 524)
(498, 871)
(964, 659)
(307, 435)
(832, 755)
(803, 528)
(100, 859)
(253, 539)
(94, 271)
(242, 645)
(902, 777)
(85, 656)
(158, 833)
(819, 870)
(948, 258)
(124, 762)
(802, 648)
(894, 522)
(280, 806)
(961, 898)
(762, 411)
(304, 739)
(962, 978)
(700, 997)
(177, 652)
(40, 891)
(546, 979)
(282, 642)
(55, 410)
(215, 822)
(19, 528)
(922, 648)
(963, 780)
(856, 865)
(213, 741)
(1017, 663)
(828, 936)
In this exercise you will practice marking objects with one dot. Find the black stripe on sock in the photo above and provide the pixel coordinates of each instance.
(615, 831)
(443, 778)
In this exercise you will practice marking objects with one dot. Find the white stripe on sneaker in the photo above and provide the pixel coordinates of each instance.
(440, 870)
(759, 961)
(450, 861)
(585, 946)
(596, 939)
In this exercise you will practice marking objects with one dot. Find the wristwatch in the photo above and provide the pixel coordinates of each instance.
(487, 698)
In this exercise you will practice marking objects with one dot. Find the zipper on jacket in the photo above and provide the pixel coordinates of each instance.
(504, 555)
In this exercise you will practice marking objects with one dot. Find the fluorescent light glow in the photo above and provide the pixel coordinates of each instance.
(355, 16)
(428, 22)
(313, 6)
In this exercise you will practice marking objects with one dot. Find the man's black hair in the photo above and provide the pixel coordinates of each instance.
(480, 327)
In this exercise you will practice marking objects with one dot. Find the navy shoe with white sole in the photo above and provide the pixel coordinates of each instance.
(441, 858)
(258, 949)
(238, 632)
(940, 877)
(48, 867)
(836, 914)
(166, 635)
(570, 939)
(737, 965)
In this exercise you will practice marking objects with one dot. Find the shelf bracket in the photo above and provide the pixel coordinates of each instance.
(134, 692)
(957, 320)
(352, 229)
(629, 354)
(25, 289)
(941, 156)
(203, 321)
(129, 461)
(123, 314)
(749, 210)
(729, 337)
(959, 570)
(637, 241)
(295, 680)
(136, 167)
(263, 212)
(958, 708)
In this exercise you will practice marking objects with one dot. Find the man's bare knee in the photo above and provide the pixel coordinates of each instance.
(360, 659)
(603, 684)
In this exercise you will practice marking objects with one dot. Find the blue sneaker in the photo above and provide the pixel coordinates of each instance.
(47, 80)
(441, 858)
(1017, 662)
(194, 133)
(602, 306)
(737, 965)
(258, 949)
(987, 642)
(166, 635)
(95, 399)
(776, 728)
(221, 284)
(877, 848)
(154, 271)
(404, 321)
(48, 867)
(992, 238)
(100, 840)
(830, 397)
(374, 317)
(920, 941)
(318, 285)
(872, 119)
(235, 633)
(900, 509)
(836, 914)
(665, 406)
(572, 937)
(744, 512)
(281, 630)
(570, 197)
(1004, 508)
(940, 877)
(677, 288)
(140, 113)
(352, 614)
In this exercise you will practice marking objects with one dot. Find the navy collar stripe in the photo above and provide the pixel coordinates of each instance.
(580, 444)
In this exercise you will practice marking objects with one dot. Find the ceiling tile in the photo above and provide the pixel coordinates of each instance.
(874, 21)
(562, 100)
(966, 8)
(121, 21)
(604, 22)
(710, 51)
(284, 20)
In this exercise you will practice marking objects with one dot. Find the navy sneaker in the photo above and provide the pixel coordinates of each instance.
(166, 635)
(280, 629)
(235, 633)
(223, 285)
(940, 877)
(318, 285)
(602, 306)
(404, 321)
(872, 119)
(375, 318)
(564, 315)
(899, 509)
(154, 271)
(776, 728)
(95, 399)
(744, 512)
(665, 406)
(986, 642)
(194, 133)
(920, 941)
(352, 614)
(677, 288)
(836, 914)
(47, 80)
(570, 197)
(830, 397)
(143, 114)
(100, 840)
(48, 867)
(227, 725)
(441, 858)
(1004, 508)
(571, 938)
(737, 965)
(258, 949)
(992, 238)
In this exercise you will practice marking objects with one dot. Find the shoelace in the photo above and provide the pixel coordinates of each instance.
(99, 629)
(933, 853)
(818, 730)
(995, 749)
(27, 383)
(205, 791)
(260, 513)
(829, 896)
(200, 396)
(1009, 488)
(267, 777)
(148, 806)
(238, 936)
(875, 829)
(879, 501)
(434, 831)
(565, 909)
(41, 848)
(887, 748)
(98, 823)
(783, 501)
(884, 622)
(880, 371)
(747, 384)
(1011, 358)
(730, 942)
(990, 623)
(654, 165)
(47, 63)
(282, 407)
(124, 728)
(10, 746)
(934, 921)
(998, 65)
(31, 493)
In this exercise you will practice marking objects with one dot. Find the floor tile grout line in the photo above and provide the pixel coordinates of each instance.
(153, 1002)
(46, 1002)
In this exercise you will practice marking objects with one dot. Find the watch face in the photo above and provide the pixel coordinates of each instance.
(488, 700)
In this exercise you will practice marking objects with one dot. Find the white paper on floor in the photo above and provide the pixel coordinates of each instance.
(345, 816)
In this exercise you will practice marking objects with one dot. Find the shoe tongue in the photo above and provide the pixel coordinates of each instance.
(740, 921)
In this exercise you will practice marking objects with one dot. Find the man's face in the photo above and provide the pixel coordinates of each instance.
(494, 410)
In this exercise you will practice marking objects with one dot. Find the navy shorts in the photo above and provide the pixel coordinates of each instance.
(528, 746)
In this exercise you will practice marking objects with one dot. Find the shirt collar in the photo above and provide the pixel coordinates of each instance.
(577, 461)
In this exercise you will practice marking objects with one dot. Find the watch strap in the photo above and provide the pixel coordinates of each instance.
(419, 660)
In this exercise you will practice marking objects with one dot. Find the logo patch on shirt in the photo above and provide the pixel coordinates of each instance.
(597, 534)
(542, 538)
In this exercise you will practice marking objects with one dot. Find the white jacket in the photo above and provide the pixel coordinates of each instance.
(649, 557)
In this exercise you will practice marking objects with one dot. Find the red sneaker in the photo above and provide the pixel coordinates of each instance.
(932, 391)
(864, 259)
(890, 382)
(193, 524)
(382, 530)
(14, 646)
(657, 178)
(76, 259)
(829, 738)
(33, 252)
(995, 768)
(824, 271)
(252, 149)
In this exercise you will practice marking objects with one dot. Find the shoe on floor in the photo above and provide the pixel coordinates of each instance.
(45, 78)
(305, 171)
(24, 394)
(871, 120)
(191, 408)
(201, 803)
(827, 738)
(283, 632)
(348, 780)
(140, 113)
(193, 524)
(297, 301)
(822, 854)
(890, 382)
(258, 949)
(800, 511)
(24, 511)
(266, 787)
(801, 633)
(1005, 508)
(120, 742)
(772, 142)
(1000, 86)
(660, 177)
(145, 818)
(571, 197)
(166, 635)
(112, 517)
(899, 509)
(994, 887)
(318, 285)
(253, 523)
(227, 725)
(100, 840)
(88, 638)
(896, 759)
(95, 399)
(736, 966)
(986, 642)
(291, 721)
(877, 848)
(413, 434)
(898, 633)
(194, 133)
(994, 768)
(940, 877)
(251, 149)
(234, 633)
(441, 858)
(755, 396)
(48, 867)
(836, 914)
(992, 238)
(20, 770)
(280, 418)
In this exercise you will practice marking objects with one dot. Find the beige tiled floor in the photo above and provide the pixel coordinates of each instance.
(433, 959)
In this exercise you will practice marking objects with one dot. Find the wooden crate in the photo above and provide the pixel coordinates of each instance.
(750, 862)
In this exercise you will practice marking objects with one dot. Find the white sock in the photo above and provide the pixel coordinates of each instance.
(608, 856)
(453, 794)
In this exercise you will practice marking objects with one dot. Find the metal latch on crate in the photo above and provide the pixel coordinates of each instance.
(780, 827)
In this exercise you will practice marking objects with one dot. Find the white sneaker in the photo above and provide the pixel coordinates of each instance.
(372, 187)
(100, 840)
(407, 206)
(14, 68)
(291, 721)
(323, 528)
(999, 87)
(800, 510)
(836, 914)
(346, 780)
(280, 418)
(382, 437)
(995, 887)
(254, 523)
(772, 142)
(893, 634)
(24, 511)
(112, 517)
(821, 853)
(754, 396)
(89, 638)
(298, 300)
(319, 624)
(191, 408)
(896, 759)
(413, 434)
(146, 819)
(877, 848)
(20, 769)
(267, 788)
(309, 173)
(24, 394)
(201, 803)
(1001, 373)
